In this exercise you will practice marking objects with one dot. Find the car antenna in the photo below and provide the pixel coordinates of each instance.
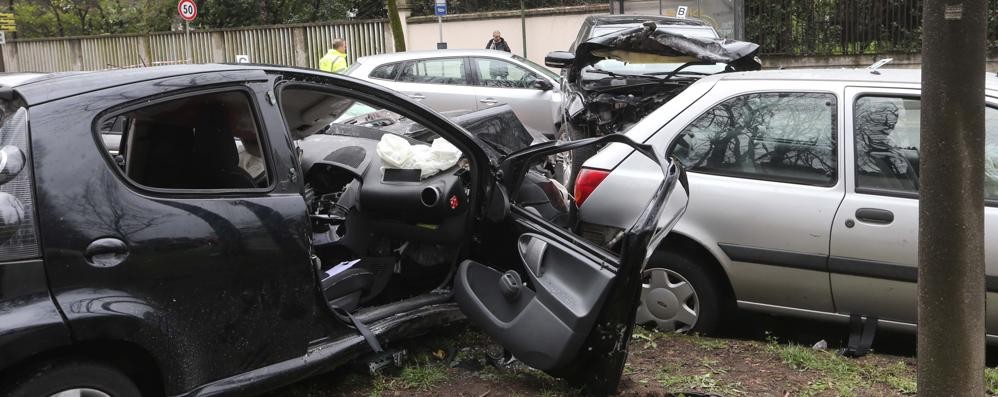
(874, 69)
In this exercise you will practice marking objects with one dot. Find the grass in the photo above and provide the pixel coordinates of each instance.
(673, 377)
(991, 380)
(844, 376)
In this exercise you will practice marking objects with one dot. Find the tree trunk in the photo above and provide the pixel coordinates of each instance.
(396, 21)
(951, 204)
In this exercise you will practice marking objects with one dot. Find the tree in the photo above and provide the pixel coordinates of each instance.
(396, 22)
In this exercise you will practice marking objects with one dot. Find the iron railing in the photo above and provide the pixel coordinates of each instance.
(841, 27)
(293, 45)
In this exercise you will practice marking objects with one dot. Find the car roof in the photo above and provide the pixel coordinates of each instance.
(408, 55)
(44, 87)
(861, 76)
(600, 20)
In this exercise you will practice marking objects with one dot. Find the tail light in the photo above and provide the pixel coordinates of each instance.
(18, 236)
(586, 183)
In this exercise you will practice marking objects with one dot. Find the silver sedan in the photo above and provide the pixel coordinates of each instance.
(469, 80)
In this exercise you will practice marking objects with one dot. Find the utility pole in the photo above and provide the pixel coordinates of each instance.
(523, 26)
(951, 200)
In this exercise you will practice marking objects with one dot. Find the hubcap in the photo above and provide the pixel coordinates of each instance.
(668, 301)
(81, 393)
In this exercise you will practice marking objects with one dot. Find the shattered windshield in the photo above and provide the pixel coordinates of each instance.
(692, 31)
(621, 67)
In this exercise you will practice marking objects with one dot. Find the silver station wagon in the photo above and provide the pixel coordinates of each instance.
(469, 80)
(804, 198)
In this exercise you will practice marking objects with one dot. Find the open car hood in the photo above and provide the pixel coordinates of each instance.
(649, 43)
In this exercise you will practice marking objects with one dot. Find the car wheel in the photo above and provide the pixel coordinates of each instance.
(678, 295)
(72, 379)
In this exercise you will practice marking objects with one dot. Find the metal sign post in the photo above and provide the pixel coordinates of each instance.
(188, 10)
(440, 9)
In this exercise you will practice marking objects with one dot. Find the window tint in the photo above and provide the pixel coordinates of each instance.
(886, 133)
(385, 72)
(208, 141)
(783, 137)
(502, 74)
(435, 71)
(886, 136)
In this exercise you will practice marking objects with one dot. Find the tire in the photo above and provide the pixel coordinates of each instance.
(573, 159)
(687, 288)
(53, 377)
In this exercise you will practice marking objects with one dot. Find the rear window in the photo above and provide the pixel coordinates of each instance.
(385, 72)
(18, 237)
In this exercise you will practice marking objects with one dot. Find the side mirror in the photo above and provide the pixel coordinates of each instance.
(559, 59)
(543, 85)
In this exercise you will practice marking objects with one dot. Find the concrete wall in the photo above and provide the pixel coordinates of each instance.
(547, 30)
(901, 61)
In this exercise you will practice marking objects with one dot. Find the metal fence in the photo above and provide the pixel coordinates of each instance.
(425, 7)
(841, 27)
(292, 45)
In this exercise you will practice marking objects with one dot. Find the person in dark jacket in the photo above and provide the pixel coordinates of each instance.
(497, 43)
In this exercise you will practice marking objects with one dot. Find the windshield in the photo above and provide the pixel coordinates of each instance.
(706, 32)
(547, 72)
(616, 66)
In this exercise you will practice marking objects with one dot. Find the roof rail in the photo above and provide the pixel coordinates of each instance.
(874, 69)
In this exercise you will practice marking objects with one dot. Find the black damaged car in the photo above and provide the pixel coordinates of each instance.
(229, 229)
(622, 69)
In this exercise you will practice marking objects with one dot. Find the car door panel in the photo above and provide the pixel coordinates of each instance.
(537, 109)
(573, 312)
(442, 84)
(790, 213)
(545, 326)
(203, 277)
(874, 260)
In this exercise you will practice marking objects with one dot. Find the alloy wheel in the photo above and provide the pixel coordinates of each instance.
(668, 301)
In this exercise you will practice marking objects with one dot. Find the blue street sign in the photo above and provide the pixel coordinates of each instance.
(440, 10)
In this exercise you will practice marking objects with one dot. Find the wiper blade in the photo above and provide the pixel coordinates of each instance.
(680, 73)
(612, 74)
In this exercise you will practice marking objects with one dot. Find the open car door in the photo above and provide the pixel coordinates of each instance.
(555, 301)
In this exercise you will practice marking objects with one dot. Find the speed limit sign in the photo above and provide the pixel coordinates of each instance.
(187, 9)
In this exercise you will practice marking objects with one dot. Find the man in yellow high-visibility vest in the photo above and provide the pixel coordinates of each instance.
(335, 60)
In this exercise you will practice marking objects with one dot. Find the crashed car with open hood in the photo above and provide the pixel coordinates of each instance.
(614, 80)
(204, 230)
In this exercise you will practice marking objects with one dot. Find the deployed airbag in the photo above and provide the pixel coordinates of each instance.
(396, 152)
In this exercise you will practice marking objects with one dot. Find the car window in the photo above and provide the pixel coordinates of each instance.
(200, 142)
(498, 73)
(435, 71)
(782, 137)
(886, 135)
(554, 76)
(385, 72)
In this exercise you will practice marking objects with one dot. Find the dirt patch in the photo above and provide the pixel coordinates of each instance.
(454, 362)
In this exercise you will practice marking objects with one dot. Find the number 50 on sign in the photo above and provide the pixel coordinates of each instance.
(187, 9)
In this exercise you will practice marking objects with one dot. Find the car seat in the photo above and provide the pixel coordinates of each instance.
(214, 163)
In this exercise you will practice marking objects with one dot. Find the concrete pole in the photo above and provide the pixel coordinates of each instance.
(951, 204)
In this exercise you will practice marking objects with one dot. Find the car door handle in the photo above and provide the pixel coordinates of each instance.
(418, 97)
(106, 252)
(875, 215)
(488, 101)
